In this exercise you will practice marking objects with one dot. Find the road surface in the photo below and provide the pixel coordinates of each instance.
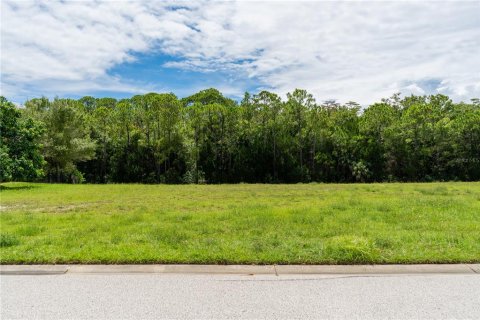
(186, 296)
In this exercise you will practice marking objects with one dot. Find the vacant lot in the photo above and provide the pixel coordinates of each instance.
(304, 223)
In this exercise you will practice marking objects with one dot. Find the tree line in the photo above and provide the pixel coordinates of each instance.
(209, 138)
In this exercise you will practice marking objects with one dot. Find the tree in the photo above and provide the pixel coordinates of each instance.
(337, 153)
(212, 121)
(464, 138)
(165, 140)
(266, 127)
(207, 137)
(66, 139)
(373, 125)
(100, 120)
(20, 157)
(298, 105)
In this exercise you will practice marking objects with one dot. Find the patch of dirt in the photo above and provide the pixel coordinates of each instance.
(50, 209)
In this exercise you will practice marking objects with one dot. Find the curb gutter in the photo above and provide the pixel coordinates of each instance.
(277, 270)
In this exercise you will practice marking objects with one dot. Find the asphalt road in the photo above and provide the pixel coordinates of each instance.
(154, 296)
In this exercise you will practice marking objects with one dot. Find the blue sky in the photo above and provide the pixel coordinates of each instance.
(335, 50)
(150, 71)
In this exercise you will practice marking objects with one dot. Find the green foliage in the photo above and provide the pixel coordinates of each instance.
(209, 138)
(66, 139)
(20, 157)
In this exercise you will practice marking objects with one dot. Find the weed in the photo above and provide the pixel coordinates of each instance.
(8, 240)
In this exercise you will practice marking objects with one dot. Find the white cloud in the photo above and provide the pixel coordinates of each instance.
(347, 51)
(68, 47)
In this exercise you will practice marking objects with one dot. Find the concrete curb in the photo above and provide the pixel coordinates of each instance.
(377, 269)
(33, 269)
(174, 268)
(241, 269)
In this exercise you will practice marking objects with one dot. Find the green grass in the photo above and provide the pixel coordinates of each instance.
(301, 223)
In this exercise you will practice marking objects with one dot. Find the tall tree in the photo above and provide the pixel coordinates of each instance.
(298, 104)
(66, 139)
(207, 137)
(20, 157)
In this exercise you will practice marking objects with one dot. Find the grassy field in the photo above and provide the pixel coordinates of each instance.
(302, 223)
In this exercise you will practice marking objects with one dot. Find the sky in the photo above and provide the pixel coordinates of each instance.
(347, 51)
